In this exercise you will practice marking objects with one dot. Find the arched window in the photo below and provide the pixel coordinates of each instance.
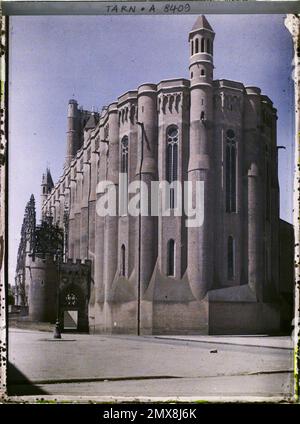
(192, 47)
(196, 45)
(124, 155)
(172, 159)
(208, 45)
(202, 45)
(202, 72)
(171, 258)
(230, 172)
(123, 260)
(230, 258)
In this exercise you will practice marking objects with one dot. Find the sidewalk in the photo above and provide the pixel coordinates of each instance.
(25, 324)
(275, 342)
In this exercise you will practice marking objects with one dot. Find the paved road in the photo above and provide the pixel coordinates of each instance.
(169, 367)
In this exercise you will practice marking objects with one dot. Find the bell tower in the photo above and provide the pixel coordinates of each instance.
(201, 41)
(200, 261)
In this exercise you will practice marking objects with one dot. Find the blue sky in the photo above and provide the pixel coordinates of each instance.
(97, 58)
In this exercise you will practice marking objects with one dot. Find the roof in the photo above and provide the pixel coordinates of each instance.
(47, 179)
(201, 23)
(91, 123)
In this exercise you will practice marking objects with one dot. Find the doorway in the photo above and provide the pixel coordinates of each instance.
(70, 320)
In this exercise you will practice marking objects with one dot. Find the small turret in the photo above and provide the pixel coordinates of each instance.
(72, 131)
(201, 39)
(47, 185)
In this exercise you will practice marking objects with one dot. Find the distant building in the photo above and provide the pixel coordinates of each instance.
(153, 274)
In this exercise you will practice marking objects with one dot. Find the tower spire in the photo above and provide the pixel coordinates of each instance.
(201, 23)
(46, 186)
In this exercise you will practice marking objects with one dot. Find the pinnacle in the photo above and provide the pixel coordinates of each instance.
(47, 178)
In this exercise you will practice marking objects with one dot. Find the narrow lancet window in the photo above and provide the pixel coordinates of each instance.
(208, 45)
(124, 155)
(123, 260)
(202, 45)
(172, 160)
(171, 258)
(230, 172)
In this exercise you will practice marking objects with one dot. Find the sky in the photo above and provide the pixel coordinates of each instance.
(95, 59)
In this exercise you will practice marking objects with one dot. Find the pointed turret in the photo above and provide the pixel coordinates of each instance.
(47, 185)
(201, 23)
(47, 179)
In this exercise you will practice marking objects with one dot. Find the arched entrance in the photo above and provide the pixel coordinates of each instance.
(74, 296)
(72, 305)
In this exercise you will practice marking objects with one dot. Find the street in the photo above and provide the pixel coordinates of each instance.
(168, 367)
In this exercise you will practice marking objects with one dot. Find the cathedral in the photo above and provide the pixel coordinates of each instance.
(151, 273)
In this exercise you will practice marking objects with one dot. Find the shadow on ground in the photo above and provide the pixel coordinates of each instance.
(19, 384)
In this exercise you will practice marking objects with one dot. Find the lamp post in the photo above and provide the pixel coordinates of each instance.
(57, 332)
(67, 217)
